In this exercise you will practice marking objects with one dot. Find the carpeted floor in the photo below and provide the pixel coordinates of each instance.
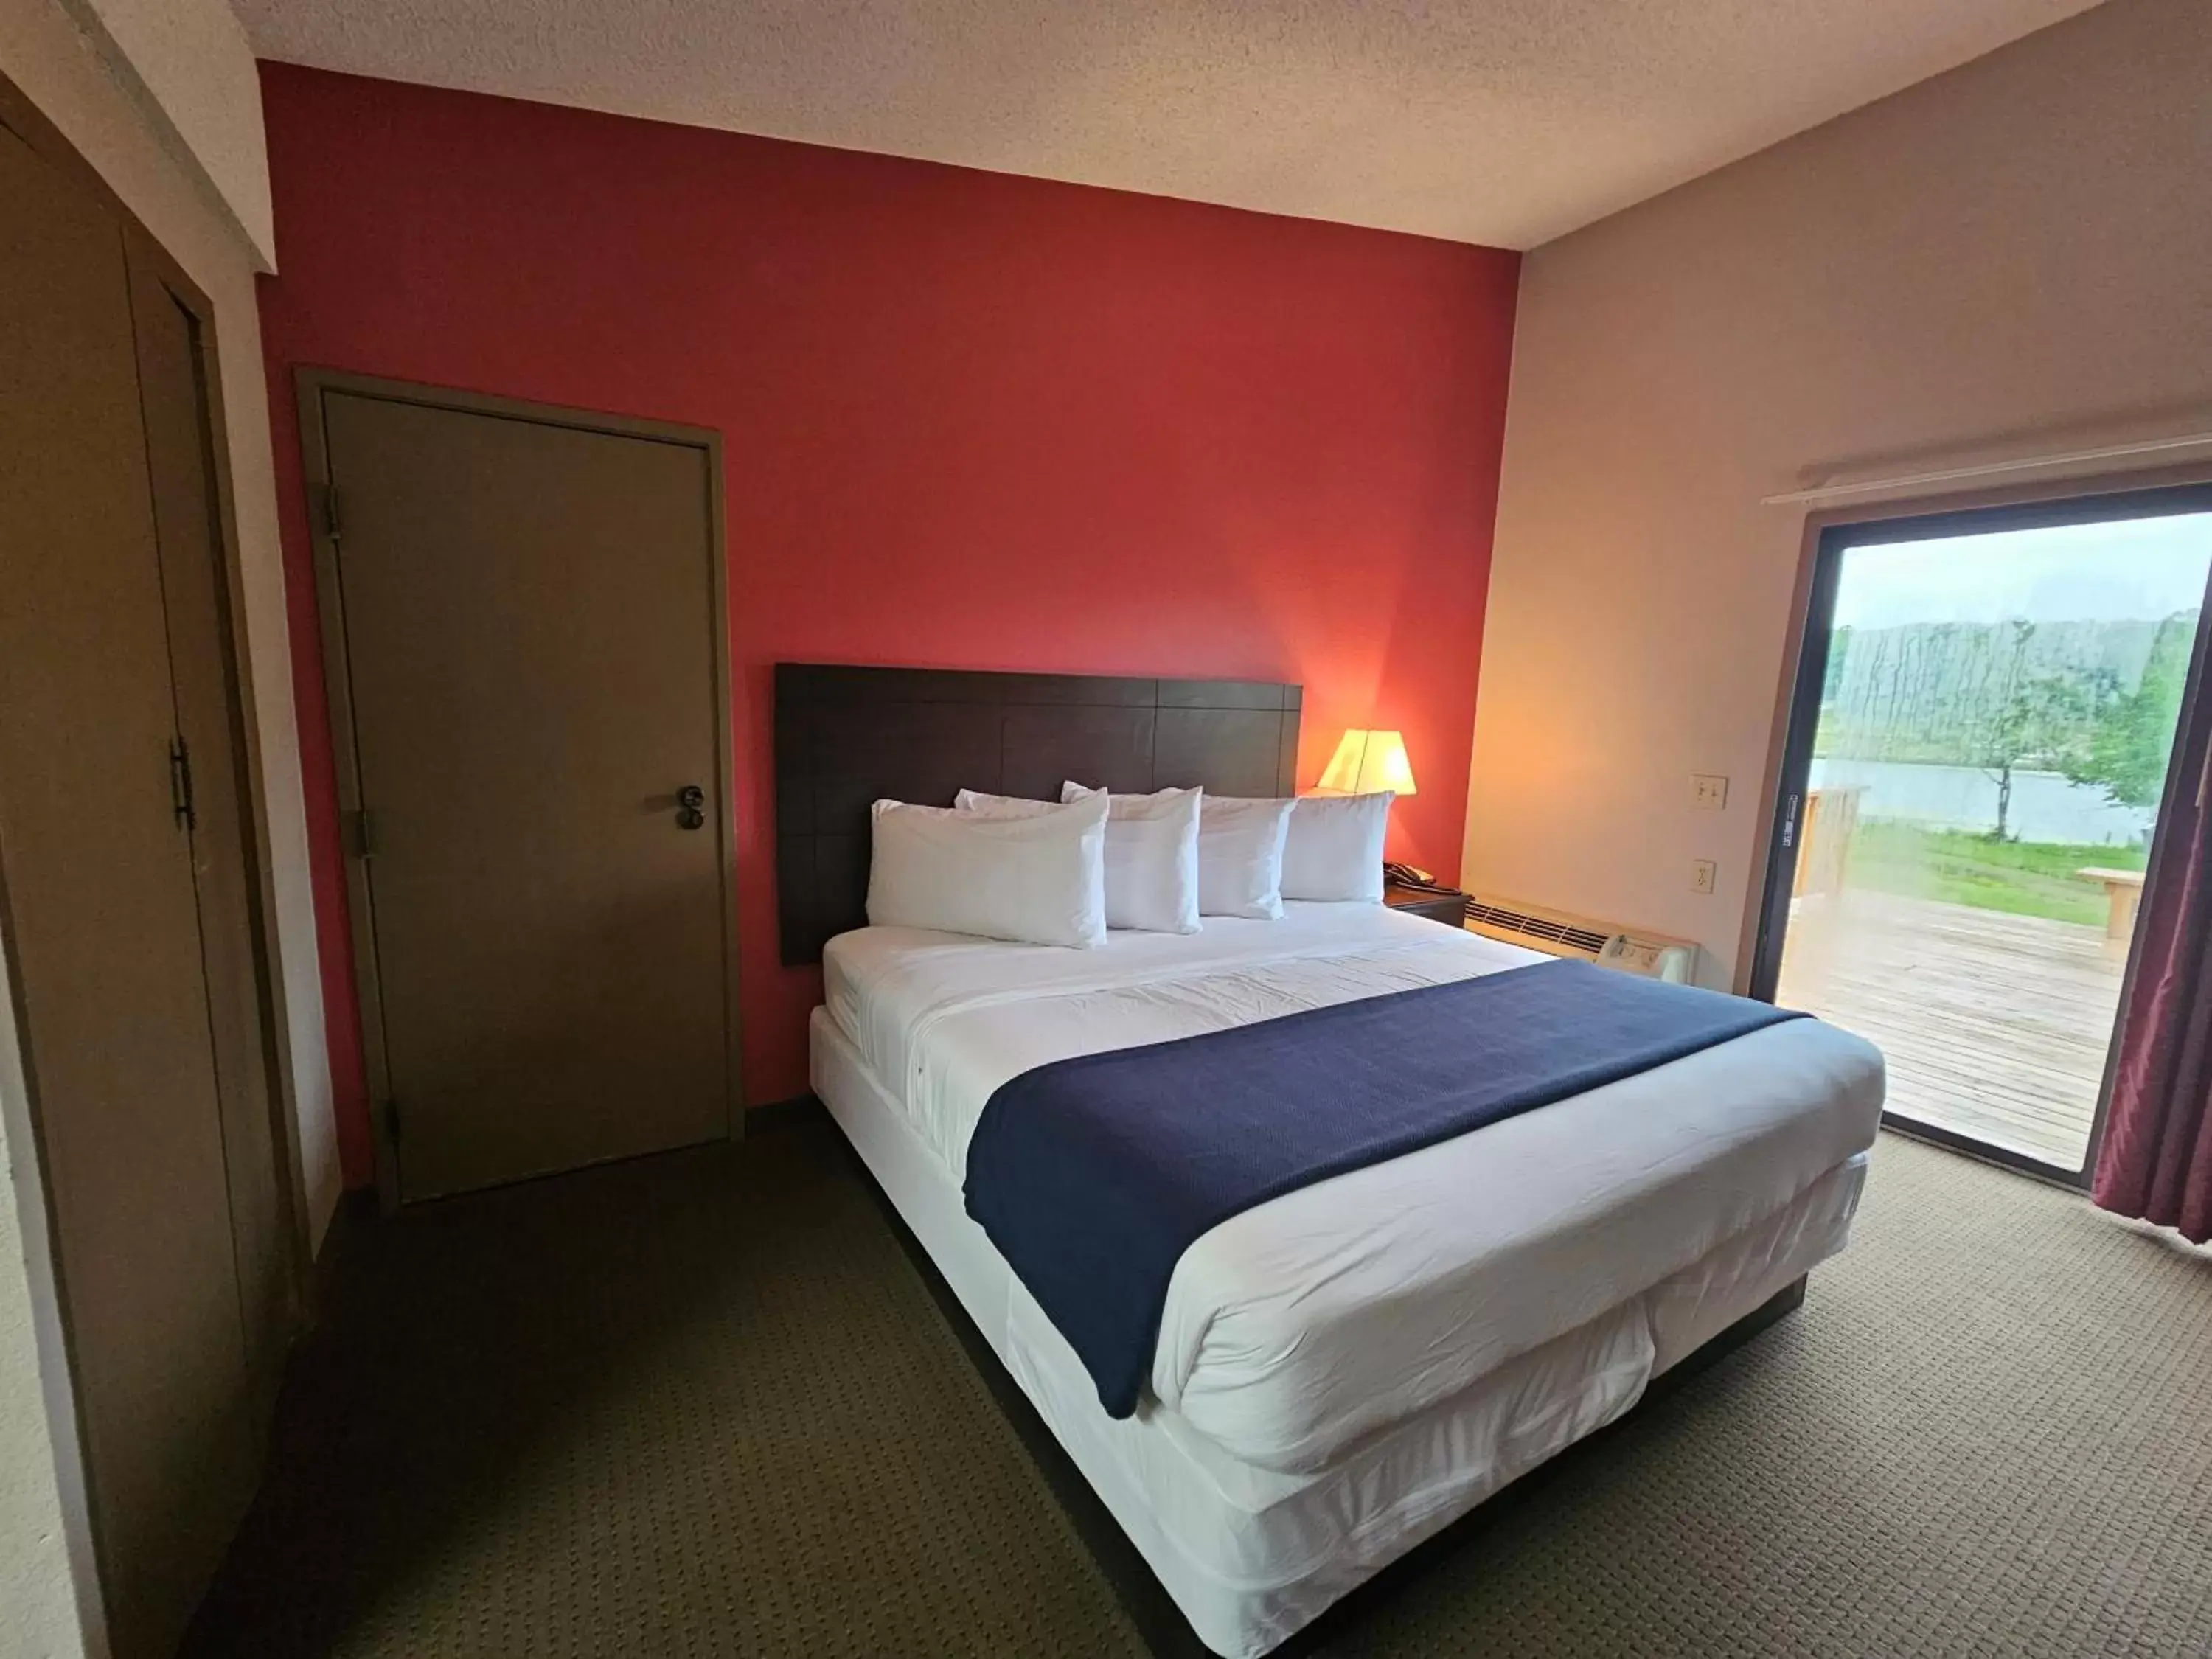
(705, 1405)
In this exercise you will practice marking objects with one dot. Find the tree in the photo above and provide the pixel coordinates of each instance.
(2131, 737)
(2031, 720)
(1839, 653)
(2004, 740)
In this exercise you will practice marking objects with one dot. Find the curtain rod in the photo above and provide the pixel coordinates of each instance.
(1837, 492)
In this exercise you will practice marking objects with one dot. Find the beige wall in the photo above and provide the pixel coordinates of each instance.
(37, 1611)
(2014, 257)
(45, 1543)
(189, 66)
(73, 77)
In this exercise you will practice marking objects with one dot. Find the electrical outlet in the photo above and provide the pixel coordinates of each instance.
(1709, 790)
(1702, 872)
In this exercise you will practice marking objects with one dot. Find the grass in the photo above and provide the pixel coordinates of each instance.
(1959, 866)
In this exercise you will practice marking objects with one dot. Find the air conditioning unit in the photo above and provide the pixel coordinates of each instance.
(1559, 933)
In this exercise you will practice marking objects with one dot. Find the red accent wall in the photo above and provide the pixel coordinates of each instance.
(972, 421)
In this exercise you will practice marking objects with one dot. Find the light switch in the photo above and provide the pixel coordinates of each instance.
(1709, 790)
(1702, 872)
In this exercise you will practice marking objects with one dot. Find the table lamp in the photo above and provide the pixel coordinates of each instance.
(1366, 761)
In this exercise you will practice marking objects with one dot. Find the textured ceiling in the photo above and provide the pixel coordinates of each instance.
(1504, 122)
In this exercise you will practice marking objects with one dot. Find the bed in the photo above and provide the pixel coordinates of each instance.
(1343, 1370)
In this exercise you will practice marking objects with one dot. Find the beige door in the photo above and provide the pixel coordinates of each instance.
(529, 655)
(102, 923)
(211, 732)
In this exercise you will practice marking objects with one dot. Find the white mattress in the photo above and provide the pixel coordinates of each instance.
(1338, 1310)
(1251, 1554)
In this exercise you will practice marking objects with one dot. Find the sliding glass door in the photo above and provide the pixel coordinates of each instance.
(1978, 749)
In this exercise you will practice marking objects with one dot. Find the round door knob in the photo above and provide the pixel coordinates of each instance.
(690, 808)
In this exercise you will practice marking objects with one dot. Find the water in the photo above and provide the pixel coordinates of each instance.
(2045, 807)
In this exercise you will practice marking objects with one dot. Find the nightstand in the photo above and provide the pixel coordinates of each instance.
(1447, 906)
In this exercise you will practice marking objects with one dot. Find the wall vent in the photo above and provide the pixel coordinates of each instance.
(1560, 933)
(1547, 930)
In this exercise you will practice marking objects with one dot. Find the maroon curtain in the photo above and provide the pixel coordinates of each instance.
(2156, 1160)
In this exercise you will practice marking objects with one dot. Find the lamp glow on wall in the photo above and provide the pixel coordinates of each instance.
(1366, 761)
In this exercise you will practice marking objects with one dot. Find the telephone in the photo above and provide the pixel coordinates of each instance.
(1411, 875)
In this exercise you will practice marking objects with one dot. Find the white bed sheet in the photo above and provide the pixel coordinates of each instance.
(1331, 1313)
(1251, 1554)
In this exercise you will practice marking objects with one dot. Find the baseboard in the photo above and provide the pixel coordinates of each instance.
(355, 1216)
(797, 1112)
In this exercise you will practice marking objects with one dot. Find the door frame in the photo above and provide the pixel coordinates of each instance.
(1828, 537)
(311, 384)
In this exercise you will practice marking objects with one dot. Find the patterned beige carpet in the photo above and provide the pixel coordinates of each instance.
(702, 1407)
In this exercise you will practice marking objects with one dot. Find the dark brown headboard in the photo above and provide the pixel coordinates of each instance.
(848, 736)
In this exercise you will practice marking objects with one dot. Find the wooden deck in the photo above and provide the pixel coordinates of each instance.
(1995, 1025)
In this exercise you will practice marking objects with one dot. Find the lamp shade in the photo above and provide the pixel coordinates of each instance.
(1366, 761)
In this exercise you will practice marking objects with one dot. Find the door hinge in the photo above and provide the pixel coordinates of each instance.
(180, 784)
(360, 834)
(391, 1121)
(332, 526)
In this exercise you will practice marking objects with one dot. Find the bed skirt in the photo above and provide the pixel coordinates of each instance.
(1250, 1555)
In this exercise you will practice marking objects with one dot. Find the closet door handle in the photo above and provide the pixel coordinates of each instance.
(180, 785)
(690, 808)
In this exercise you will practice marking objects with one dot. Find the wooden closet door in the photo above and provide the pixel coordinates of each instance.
(96, 872)
(211, 727)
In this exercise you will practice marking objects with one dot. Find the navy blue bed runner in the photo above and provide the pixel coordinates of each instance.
(1092, 1176)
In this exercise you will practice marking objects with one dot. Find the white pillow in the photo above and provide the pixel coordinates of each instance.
(1151, 858)
(1334, 847)
(1001, 806)
(1040, 878)
(1240, 856)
